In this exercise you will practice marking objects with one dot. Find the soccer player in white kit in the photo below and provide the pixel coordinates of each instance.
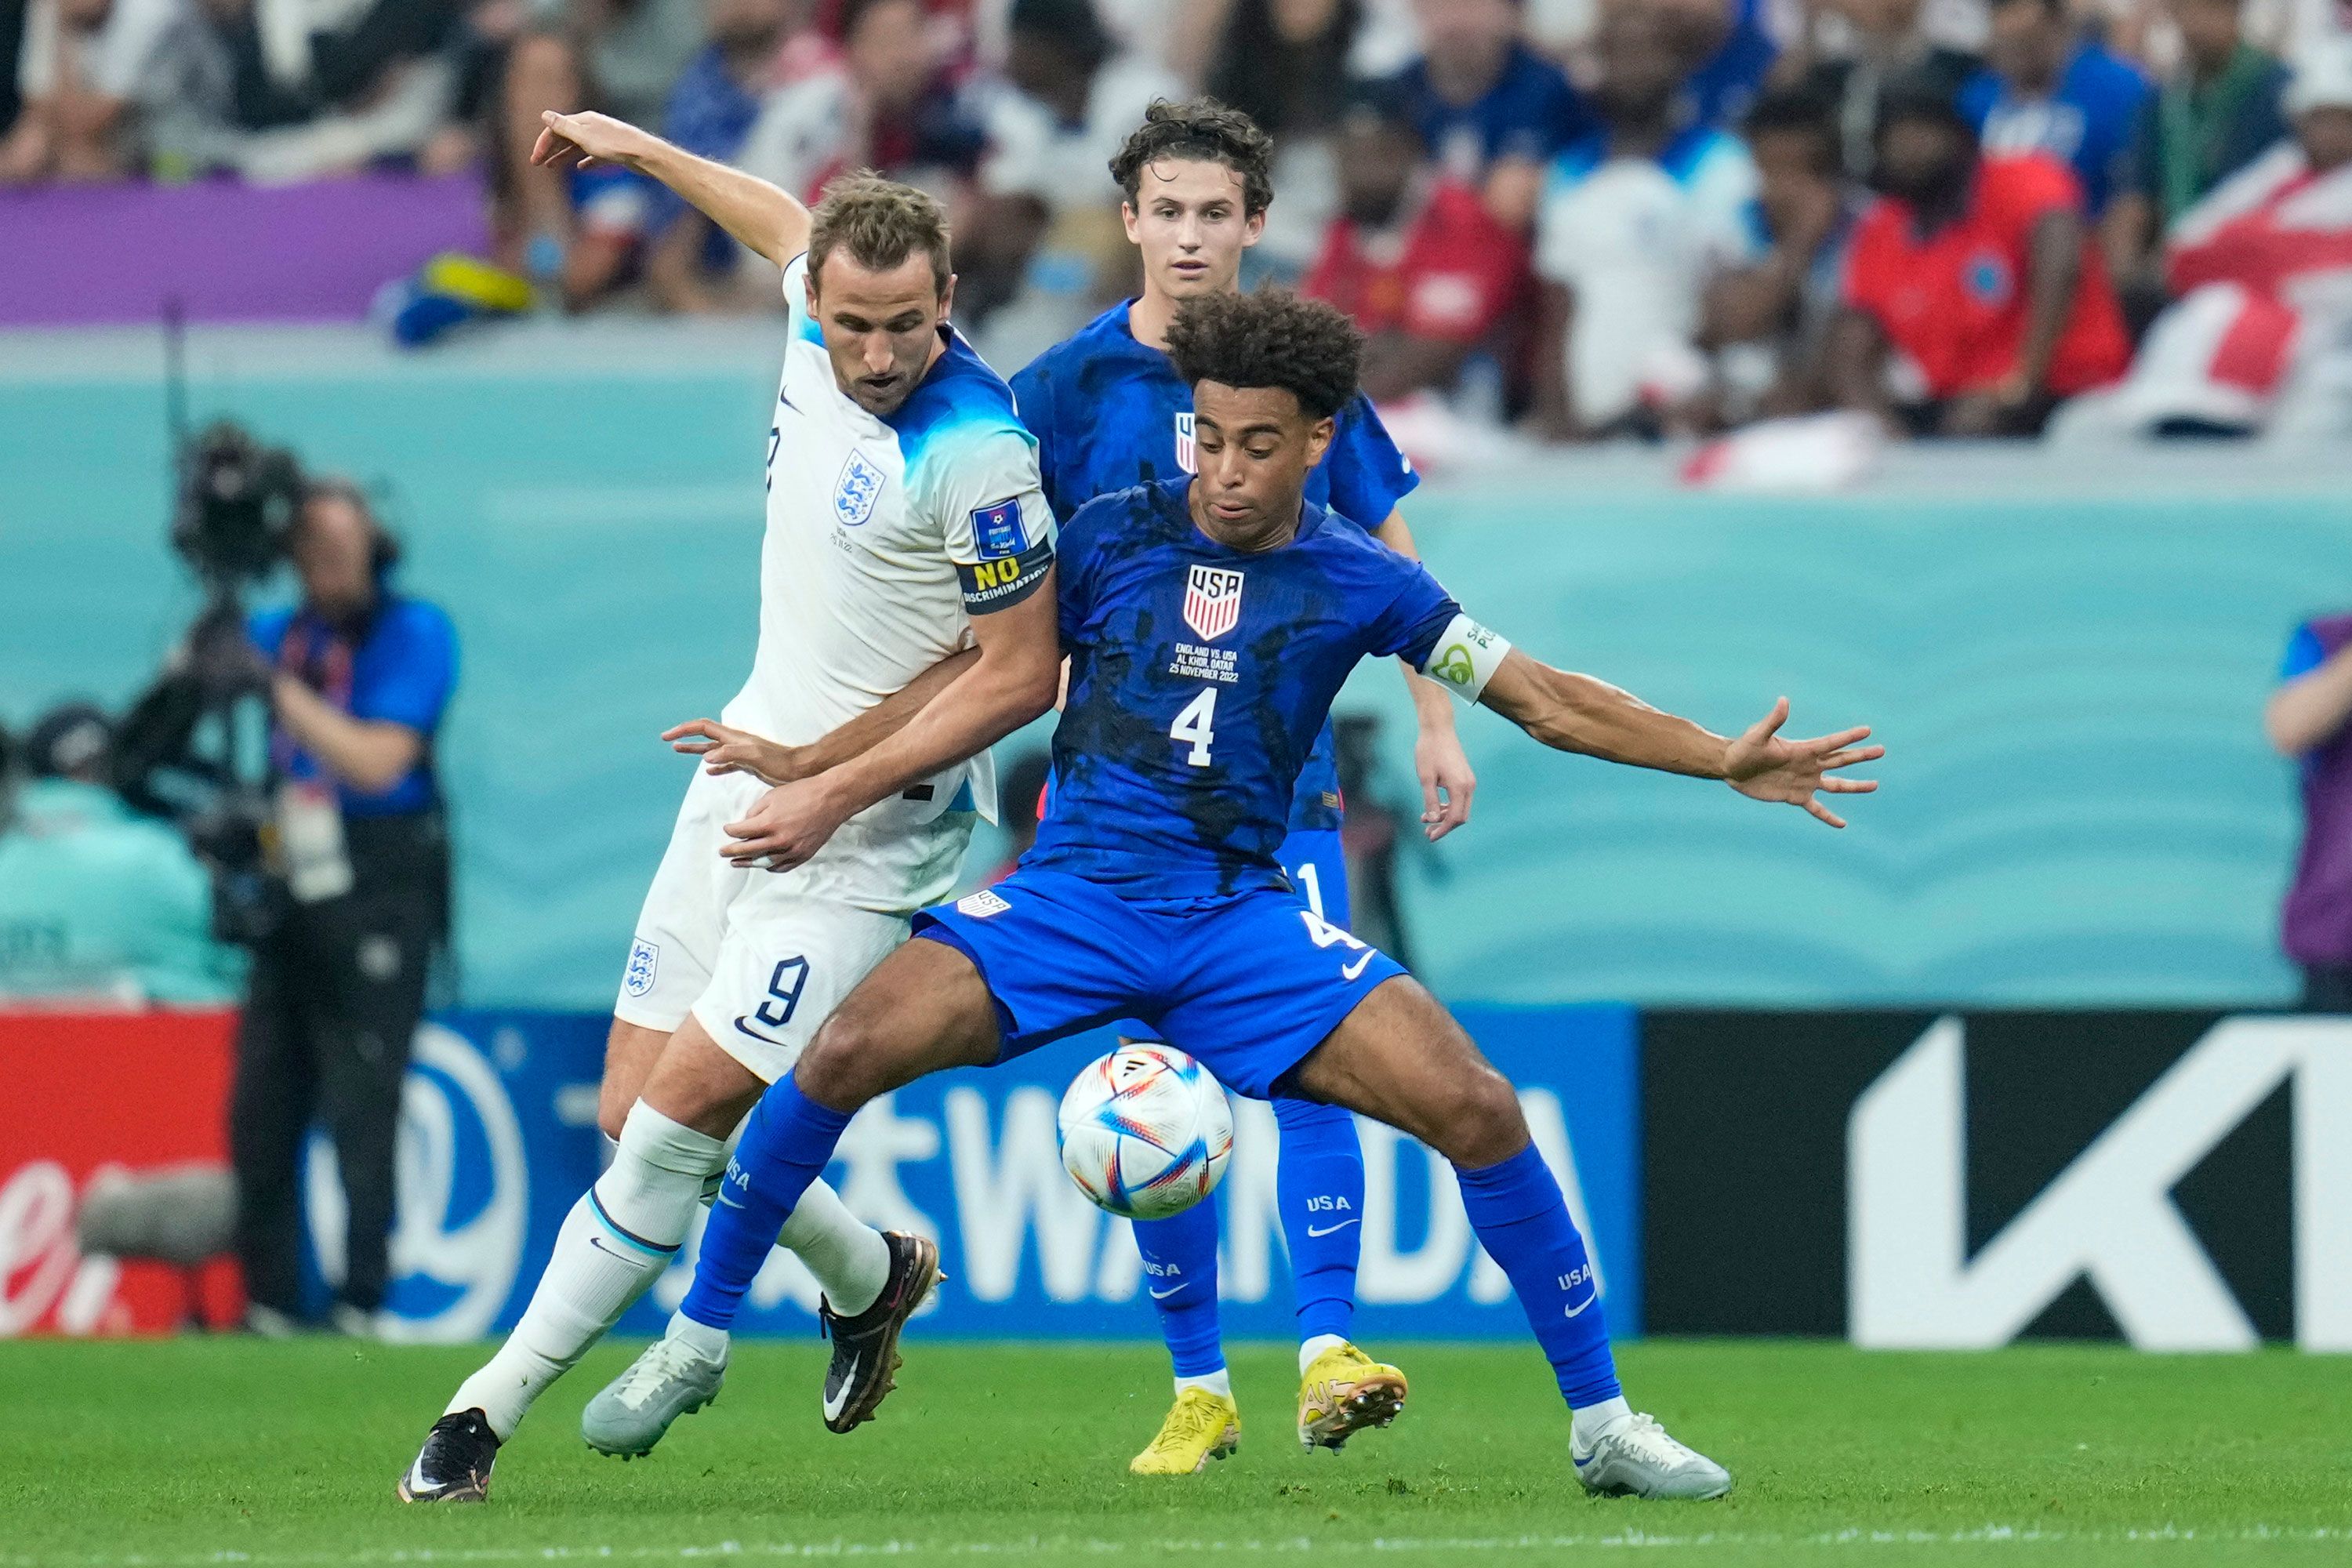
(907, 555)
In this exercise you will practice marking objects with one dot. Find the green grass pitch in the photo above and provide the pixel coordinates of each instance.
(234, 1451)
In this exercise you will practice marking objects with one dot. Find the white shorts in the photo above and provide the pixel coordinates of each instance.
(756, 956)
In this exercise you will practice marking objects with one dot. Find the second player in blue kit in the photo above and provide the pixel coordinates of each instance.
(1110, 412)
(1207, 624)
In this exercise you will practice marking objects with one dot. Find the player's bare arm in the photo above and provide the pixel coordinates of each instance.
(1447, 780)
(1570, 712)
(1015, 678)
(764, 217)
(724, 749)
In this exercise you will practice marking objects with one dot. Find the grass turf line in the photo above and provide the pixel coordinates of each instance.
(202, 1451)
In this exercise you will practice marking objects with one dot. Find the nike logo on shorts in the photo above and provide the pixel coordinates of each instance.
(1350, 970)
(1328, 1229)
(765, 1041)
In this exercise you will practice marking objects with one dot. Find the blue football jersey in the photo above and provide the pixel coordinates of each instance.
(1199, 676)
(1109, 412)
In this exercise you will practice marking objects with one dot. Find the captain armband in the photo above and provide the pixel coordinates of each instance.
(1003, 580)
(1464, 657)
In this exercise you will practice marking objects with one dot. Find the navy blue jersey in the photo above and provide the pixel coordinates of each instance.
(1199, 676)
(1110, 412)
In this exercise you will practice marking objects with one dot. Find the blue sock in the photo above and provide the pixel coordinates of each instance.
(1522, 1221)
(786, 1145)
(1319, 1185)
(1179, 1269)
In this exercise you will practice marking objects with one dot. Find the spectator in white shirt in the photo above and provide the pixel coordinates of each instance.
(1636, 221)
(86, 72)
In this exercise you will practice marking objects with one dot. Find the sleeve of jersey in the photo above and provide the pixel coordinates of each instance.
(1032, 400)
(999, 530)
(1369, 475)
(1427, 629)
(2303, 653)
(796, 299)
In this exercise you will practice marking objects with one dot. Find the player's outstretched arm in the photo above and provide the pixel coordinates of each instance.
(729, 751)
(768, 219)
(1572, 712)
(1014, 678)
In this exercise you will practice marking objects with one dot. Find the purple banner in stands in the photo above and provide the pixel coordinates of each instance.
(317, 252)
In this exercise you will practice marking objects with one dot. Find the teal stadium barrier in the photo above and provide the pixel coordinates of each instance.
(2068, 668)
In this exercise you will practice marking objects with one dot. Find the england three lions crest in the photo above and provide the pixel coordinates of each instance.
(859, 487)
(1212, 601)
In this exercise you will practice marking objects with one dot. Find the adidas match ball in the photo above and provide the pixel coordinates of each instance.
(1146, 1131)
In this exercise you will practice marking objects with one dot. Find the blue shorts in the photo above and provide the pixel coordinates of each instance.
(1249, 984)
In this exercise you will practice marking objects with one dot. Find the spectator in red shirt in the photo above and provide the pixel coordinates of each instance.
(1977, 273)
(1415, 256)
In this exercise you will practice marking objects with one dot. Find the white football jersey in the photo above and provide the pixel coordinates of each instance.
(885, 534)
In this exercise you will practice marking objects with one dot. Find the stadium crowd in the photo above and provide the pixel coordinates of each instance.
(1590, 218)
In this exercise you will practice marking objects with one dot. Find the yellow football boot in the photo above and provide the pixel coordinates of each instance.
(1201, 1427)
(1343, 1392)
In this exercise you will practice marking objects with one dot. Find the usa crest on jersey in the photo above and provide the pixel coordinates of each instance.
(1186, 458)
(859, 487)
(1213, 600)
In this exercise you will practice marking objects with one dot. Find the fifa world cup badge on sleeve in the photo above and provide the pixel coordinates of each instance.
(1465, 657)
(996, 528)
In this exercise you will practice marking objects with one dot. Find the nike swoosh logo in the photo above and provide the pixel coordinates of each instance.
(1328, 1229)
(779, 1044)
(1163, 1295)
(1350, 970)
(835, 1404)
(720, 1196)
(1579, 1311)
(602, 1248)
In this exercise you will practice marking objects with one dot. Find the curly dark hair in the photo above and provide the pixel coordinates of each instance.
(1269, 339)
(1202, 130)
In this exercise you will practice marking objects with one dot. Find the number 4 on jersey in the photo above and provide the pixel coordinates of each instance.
(1195, 726)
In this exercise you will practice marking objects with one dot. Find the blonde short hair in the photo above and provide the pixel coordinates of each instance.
(880, 223)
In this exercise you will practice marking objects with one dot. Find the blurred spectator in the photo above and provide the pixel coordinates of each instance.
(691, 264)
(1491, 110)
(1414, 257)
(1889, 40)
(2047, 89)
(97, 903)
(2305, 720)
(2216, 113)
(1734, 54)
(2262, 271)
(1069, 101)
(360, 676)
(1284, 64)
(1978, 274)
(91, 75)
(573, 230)
(11, 45)
(1637, 220)
(888, 106)
(1771, 319)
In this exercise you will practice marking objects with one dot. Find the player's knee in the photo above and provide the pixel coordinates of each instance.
(1484, 1126)
(842, 1067)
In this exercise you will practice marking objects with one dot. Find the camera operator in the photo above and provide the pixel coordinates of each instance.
(358, 676)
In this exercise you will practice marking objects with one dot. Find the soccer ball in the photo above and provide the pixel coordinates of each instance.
(1146, 1131)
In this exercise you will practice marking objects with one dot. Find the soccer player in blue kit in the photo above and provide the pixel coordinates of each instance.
(1209, 624)
(1110, 412)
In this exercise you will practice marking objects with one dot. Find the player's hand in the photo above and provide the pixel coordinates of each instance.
(726, 751)
(586, 138)
(1447, 780)
(791, 823)
(1762, 766)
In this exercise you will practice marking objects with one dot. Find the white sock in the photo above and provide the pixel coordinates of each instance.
(1310, 1348)
(1589, 1424)
(647, 1193)
(710, 1343)
(1218, 1383)
(849, 1257)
